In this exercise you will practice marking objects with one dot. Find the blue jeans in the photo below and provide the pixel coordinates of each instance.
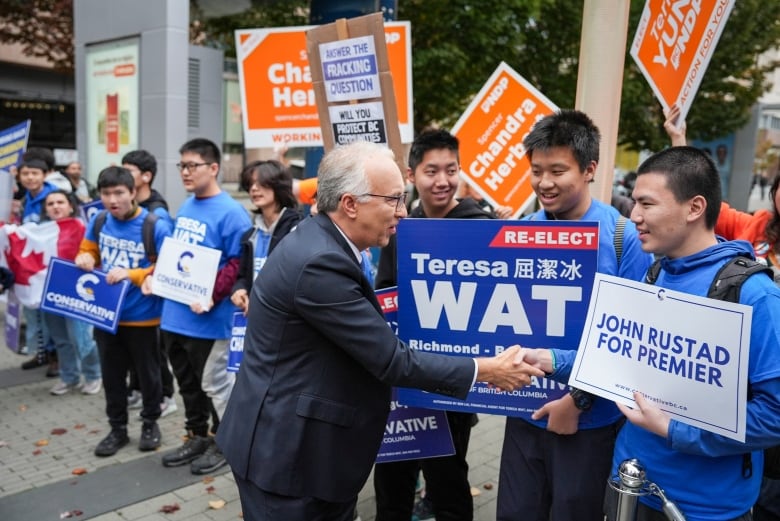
(76, 350)
(36, 333)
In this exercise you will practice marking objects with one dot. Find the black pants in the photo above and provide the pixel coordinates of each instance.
(446, 480)
(188, 357)
(166, 377)
(134, 347)
(260, 505)
(545, 476)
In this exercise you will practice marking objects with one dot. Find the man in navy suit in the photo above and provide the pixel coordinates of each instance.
(307, 413)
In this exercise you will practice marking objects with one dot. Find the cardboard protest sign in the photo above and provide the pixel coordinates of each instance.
(673, 45)
(517, 282)
(349, 64)
(410, 432)
(686, 354)
(277, 96)
(491, 132)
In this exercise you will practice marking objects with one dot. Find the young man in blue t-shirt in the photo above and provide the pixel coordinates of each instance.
(556, 465)
(195, 336)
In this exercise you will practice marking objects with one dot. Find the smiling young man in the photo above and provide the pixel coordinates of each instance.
(709, 477)
(434, 167)
(196, 337)
(555, 466)
(118, 249)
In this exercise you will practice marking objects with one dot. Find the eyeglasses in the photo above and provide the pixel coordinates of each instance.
(189, 167)
(398, 200)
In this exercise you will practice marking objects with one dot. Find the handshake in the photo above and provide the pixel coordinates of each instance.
(514, 368)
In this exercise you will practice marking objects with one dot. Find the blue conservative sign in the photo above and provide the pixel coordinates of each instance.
(85, 295)
(475, 287)
(410, 432)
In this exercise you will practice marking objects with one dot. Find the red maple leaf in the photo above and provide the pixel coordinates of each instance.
(23, 267)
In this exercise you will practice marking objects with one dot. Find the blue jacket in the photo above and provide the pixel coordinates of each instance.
(699, 470)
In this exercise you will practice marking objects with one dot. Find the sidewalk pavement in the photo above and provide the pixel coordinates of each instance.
(48, 470)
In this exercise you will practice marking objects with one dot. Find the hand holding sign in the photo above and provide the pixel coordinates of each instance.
(506, 371)
(646, 415)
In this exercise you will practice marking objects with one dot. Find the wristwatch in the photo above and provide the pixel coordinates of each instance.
(582, 400)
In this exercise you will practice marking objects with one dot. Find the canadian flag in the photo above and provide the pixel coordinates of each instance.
(26, 250)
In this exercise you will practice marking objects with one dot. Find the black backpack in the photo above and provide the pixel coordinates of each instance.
(147, 232)
(726, 286)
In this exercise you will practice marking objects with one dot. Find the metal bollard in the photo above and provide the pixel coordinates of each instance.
(630, 483)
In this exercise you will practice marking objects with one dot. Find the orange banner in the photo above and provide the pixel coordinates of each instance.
(277, 96)
(491, 132)
(673, 46)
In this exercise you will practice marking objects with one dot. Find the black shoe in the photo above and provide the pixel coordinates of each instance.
(40, 359)
(192, 448)
(210, 461)
(150, 436)
(115, 440)
(53, 370)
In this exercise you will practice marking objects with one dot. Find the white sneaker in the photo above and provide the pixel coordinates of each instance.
(135, 401)
(61, 388)
(92, 387)
(167, 406)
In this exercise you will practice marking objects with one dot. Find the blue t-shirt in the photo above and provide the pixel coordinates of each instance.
(213, 222)
(633, 265)
(121, 245)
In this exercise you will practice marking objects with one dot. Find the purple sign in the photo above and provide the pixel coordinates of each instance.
(236, 348)
(13, 312)
(410, 432)
(85, 295)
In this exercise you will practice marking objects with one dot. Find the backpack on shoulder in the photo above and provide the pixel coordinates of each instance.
(147, 232)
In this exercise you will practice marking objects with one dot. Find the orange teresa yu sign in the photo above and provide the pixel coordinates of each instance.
(491, 132)
(673, 45)
(277, 96)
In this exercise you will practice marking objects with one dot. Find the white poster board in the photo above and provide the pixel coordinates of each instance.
(185, 272)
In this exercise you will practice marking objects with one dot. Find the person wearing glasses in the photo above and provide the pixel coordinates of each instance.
(195, 336)
(308, 411)
(434, 165)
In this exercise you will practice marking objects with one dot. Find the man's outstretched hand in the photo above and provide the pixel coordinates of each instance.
(507, 371)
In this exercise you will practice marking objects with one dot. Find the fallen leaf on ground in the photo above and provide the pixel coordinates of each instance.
(22, 407)
(216, 505)
(3, 443)
(70, 513)
(37, 452)
(208, 479)
(79, 426)
(475, 492)
(58, 431)
(94, 431)
(169, 509)
(79, 471)
(210, 490)
(41, 443)
(488, 486)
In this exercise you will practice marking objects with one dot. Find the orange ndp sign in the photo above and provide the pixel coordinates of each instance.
(673, 45)
(491, 132)
(277, 96)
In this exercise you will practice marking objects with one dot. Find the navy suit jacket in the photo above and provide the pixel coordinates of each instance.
(310, 403)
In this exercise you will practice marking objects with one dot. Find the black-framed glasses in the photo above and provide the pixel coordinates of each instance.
(398, 200)
(189, 167)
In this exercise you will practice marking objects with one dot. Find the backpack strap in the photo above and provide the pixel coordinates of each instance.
(653, 271)
(617, 239)
(97, 225)
(147, 233)
(727, 284)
